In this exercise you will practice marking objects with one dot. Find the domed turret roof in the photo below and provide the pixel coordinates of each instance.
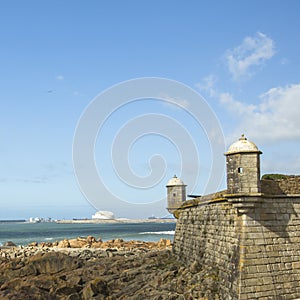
(175, 181)
(242, 146)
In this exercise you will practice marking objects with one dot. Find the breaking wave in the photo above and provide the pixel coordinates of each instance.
(170, 232)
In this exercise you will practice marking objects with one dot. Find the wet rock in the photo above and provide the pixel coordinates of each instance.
(44, 282)
(44, 244)
(111, 252)
(77, 243)
(66, 290)
(74, 296)
(12, 284)
(117, 270)
(90, 239)
(64, 244)
(164, 243)
(74, 280)
(97, 244)
(86, 254)
(49, 263)
(9, 244)
(89, 292)
(33, 244)
(101, 286)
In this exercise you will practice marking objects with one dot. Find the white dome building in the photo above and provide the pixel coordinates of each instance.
(103, 215)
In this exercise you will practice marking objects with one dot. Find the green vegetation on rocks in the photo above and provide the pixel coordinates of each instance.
(274, 176)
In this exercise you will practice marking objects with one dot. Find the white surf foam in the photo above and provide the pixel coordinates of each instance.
(170, 232)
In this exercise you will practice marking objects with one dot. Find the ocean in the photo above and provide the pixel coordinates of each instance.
(24, 233)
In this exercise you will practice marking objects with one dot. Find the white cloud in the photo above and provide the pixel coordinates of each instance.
(60, 77)
(253, 51)
(236, 107)
(276, 118)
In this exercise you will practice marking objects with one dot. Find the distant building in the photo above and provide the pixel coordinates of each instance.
(103, 215)
(35, 220)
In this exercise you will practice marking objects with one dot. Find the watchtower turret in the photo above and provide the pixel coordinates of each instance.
(243, 167)
(176, 190)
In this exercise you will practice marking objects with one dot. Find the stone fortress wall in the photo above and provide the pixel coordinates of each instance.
(284, 185)
(207, 234)
(249, 241)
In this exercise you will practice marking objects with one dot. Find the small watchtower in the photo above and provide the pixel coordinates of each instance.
(176, 190)
(243, 167)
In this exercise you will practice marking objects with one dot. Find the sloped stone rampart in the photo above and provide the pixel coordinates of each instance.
(209, 235)
(288, 185)
(271, 262)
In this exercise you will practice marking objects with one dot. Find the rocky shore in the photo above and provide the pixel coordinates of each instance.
(86, 268)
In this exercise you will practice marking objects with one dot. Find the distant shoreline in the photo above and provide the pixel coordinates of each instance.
(115, 221)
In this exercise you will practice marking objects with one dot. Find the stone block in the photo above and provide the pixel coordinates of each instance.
(259, 241)
(296, 265)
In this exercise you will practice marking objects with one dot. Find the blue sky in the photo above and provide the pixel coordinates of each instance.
(57, 56)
